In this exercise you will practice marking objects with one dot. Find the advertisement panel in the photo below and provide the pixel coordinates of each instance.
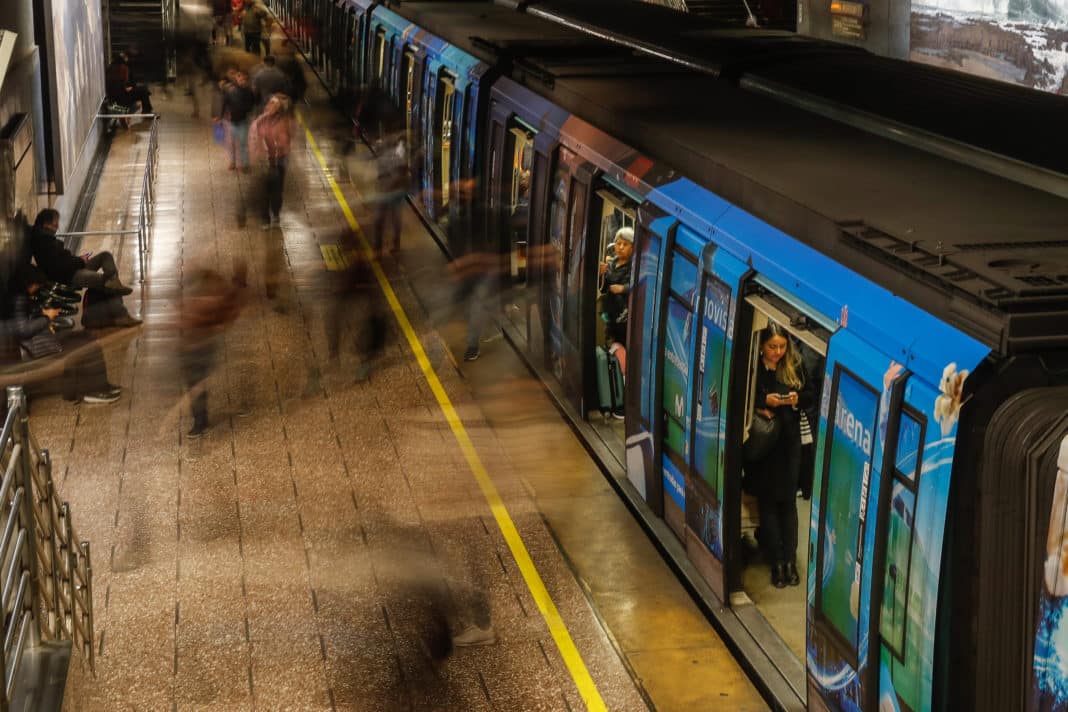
(1020, 41)
(77, 54)
(848, 471)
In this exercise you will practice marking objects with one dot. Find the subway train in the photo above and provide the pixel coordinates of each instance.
(927, 292)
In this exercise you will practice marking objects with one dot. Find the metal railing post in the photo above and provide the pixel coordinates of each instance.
(87, 609)
(16, 398)
(47, 538)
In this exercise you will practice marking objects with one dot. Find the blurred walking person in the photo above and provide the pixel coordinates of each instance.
(237, 106)
(269, 142)
(253, 19)
(393, 182)
(209, 305)
(355, 303)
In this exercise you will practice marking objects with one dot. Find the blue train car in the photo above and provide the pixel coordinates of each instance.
(925, 301)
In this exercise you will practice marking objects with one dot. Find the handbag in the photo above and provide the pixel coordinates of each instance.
(763, 435)
(220, 133)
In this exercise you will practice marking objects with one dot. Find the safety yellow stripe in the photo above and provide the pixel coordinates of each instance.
(575, 665)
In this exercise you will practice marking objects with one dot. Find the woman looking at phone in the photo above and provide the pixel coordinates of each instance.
(782, 393)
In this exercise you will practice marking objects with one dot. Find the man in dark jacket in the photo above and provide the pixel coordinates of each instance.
(57, 262)
(97, 273)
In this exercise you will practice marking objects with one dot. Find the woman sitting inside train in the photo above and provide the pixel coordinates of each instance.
(782, 394)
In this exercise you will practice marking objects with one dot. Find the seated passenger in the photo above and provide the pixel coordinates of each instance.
(85, 376)
(59, 265)
(98, 273)
(615, 289)
(122, 90)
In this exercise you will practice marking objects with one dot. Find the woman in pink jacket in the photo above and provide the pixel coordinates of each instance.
(269, 140)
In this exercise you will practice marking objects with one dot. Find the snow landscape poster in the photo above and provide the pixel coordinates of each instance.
(1020, 41)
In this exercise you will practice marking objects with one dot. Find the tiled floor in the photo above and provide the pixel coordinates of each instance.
(268, 564)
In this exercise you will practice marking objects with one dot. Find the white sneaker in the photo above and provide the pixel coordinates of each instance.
(473, 635)
(102, 397)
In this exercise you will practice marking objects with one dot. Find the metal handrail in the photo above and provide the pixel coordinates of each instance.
(146, 201)
(45, 571)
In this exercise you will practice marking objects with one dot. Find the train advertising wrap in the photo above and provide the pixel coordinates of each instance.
(709, 437)
(849, 470)
(676, 377)
(923, 464)
(1051, 635)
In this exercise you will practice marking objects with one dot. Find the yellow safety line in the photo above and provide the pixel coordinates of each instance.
(575, 665)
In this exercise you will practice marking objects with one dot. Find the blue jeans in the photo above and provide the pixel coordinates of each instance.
(239, 143)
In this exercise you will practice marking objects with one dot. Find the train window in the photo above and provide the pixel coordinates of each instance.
(678, 354)
(899, 535)
(408, 79)
(846, 469)
(518, 209)
(380, 57)
(909, 444)
(446, 106)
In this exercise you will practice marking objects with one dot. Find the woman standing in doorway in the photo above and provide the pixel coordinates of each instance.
(782, 392)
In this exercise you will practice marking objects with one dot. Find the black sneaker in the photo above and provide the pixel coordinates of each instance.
(112, 388)
(196, 431)
(471, 354)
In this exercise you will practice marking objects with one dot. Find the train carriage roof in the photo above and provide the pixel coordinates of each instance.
(981, 252)
(984, 253)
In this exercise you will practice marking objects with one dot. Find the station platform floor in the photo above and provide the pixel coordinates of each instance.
(269, 564)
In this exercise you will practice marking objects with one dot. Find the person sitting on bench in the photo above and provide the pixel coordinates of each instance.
(59, 265)
(56, 261)
(85, 376)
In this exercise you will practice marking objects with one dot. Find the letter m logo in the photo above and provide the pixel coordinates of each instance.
(680, 405)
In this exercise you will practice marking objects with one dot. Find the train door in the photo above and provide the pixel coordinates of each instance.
(678, 328)
(705, 481)
(612, 208)
(517, 213)
(643, 352)
(765, 521)
(569, 191)
(879, 506)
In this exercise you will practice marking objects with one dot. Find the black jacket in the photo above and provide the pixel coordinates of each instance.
(238, 103)
(776, 476)
(52, 257)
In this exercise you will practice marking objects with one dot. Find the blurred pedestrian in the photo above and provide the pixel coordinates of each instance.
(222, 22)
(237, 106)
(268, 80)
(355, 303)
(209, 305)
(286, 60)
(393, 183)
(253, 20)
(269, 142)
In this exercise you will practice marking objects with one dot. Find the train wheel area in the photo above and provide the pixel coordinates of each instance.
(299, 551)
